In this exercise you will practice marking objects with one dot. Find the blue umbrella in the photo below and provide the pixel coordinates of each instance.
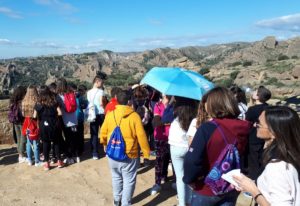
(177, 82)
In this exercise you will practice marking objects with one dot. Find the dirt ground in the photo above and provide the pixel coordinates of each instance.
(80, 184)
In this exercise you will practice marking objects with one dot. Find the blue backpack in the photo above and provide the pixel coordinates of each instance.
(227, 160)
(116, 147)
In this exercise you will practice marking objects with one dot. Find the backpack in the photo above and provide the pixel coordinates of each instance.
(227, 160)
(70, 102)
(116, 147)
(14, 114)
(30, 129)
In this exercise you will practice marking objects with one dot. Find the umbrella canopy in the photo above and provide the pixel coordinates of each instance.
(178, 82)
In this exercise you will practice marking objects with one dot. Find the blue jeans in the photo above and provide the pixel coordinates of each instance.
(33, 145)
(224, 200)
(183, 190)
(123, 180)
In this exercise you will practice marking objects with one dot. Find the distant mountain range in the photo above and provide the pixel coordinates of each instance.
(273, 63)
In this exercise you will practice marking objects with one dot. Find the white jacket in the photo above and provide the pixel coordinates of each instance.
(279, 184)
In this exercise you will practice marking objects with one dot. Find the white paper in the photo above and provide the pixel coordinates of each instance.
(228, 176)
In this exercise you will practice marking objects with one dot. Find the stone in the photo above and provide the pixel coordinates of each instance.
(296, 71)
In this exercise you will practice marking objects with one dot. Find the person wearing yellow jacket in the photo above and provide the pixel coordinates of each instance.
(124, 172)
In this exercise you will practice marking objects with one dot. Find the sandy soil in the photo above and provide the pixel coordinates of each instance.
(84, 183)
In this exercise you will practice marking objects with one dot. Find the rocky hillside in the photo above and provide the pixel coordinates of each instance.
(269, 62)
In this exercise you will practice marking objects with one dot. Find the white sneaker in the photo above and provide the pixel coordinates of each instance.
(69, 161)
(77, 159)
(155, 189)
(29, 162)
(95, 158)
(22, 159)
(38, 164)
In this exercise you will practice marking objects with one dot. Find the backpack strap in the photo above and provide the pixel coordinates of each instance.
(118, 125)
(220, 130)
(121, 131)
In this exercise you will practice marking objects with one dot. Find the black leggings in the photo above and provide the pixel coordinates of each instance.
(47, 147)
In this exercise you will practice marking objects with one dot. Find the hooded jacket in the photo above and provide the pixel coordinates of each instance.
(131, 127)
(207, 146)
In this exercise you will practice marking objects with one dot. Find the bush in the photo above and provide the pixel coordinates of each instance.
(294, 57)
(203, 71)
(234, 64)
(247, 63)
(274, 81)
(234, 74)
(282, 57)
(225, 82)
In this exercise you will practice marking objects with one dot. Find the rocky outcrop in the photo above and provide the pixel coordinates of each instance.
(6, 132)
(296, 72)
(255, 63)
(294, 47)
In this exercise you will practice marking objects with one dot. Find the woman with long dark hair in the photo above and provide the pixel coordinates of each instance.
(185, 110)
(15, 116)
(279, 183)
(70, 121)
(47, 112)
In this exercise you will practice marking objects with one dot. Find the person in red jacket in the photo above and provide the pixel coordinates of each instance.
(208, 143)
(113, 101)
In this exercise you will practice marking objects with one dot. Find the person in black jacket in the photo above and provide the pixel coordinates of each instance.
(255, 145)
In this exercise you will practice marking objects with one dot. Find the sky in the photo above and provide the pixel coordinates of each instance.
(48, 27)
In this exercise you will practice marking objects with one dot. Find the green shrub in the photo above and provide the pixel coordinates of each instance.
(225, 82)
(294, 57)
(203, 71)
(247, 63)
(234, 64)
(274, 81)
(234, 74)
(280, 67)
(282, 57)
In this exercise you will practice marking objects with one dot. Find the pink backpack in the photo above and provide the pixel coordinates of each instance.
(70, 102)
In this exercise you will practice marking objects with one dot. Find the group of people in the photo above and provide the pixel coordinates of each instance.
(189, 134)
(58, 110)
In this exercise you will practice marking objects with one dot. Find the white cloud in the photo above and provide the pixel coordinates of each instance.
(7, 42)
(45, 44)
(99, 43)
(10, 13)
(286, 23)
(58, 5)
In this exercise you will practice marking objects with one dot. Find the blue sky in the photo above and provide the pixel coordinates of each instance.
(42, 27)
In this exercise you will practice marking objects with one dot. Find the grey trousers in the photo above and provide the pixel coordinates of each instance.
(21, 140)
(123, 180)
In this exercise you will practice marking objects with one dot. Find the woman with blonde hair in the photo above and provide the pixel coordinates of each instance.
(201, 117)
(28, 104)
